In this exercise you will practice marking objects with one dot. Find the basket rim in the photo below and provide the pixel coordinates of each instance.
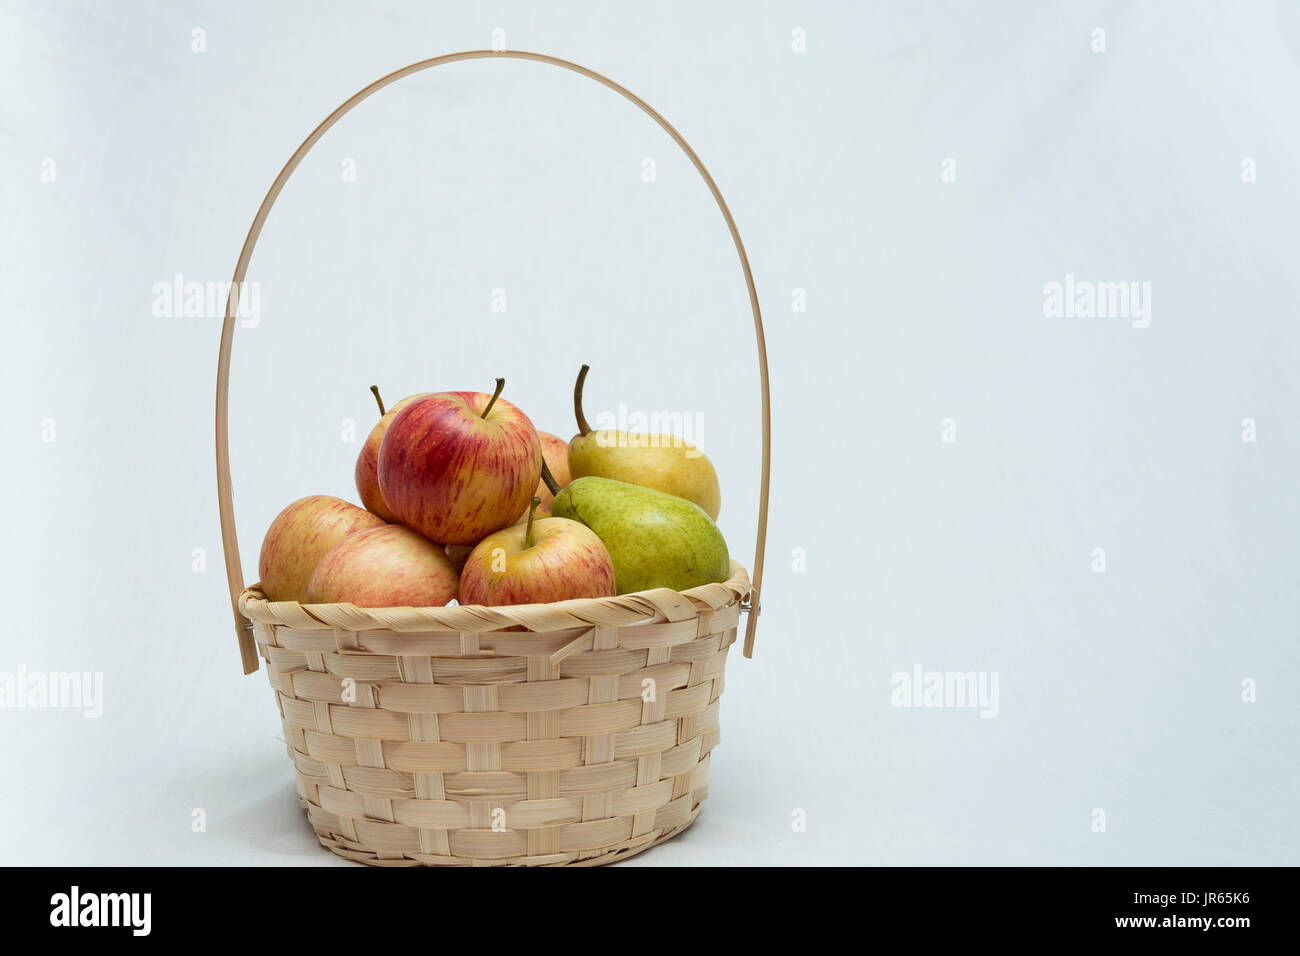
(658, 604)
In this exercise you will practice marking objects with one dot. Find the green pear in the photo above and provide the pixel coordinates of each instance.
(665, 463)
(656, 540)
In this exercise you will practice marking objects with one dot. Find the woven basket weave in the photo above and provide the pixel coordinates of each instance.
(577, 732)
(583, 739)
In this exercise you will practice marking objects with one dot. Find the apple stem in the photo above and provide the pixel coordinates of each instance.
(583, 427)
(551, 484)
(532, 513)
(501, 384)
(375, 389)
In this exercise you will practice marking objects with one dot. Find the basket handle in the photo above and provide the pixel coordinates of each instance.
(234, 572)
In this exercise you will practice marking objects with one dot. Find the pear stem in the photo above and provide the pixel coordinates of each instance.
(375, 389)
(583, 427)
(532, 513)
(551, 484)
(501, 384)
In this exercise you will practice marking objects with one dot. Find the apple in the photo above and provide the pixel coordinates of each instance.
(544, 560)
(390, 566)
(456, 466)
(555, 451)
(367, 470)
(299, 537)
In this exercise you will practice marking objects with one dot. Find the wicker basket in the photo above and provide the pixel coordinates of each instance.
(577, 732)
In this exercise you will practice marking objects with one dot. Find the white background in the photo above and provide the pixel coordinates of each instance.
(1119, 691)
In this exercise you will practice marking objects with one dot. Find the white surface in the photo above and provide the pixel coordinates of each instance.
(1119, 691)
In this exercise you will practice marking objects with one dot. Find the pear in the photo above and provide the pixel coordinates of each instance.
(656, 540)
(665, 463)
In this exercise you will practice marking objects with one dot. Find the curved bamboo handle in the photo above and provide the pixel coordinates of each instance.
(234, 572)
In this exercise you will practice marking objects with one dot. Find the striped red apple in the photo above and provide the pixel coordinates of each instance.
(456, 466)
(390, 566)
(555, 452)
(299, 537)
(367, 469)
(543, 560)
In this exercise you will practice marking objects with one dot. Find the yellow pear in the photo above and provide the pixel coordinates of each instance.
(665, 463)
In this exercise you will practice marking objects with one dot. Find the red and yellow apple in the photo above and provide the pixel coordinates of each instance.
(556, 452)
(367, 470)
(543, 560)
(299, 537)
(390, 566)
(456, 466)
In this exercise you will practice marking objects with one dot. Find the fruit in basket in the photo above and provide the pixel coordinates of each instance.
(390, 566)
(299, 537)
(456, 466)
(555, 452)
(542, 560)
(665, 463)
(367, 470)
(656, 540)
